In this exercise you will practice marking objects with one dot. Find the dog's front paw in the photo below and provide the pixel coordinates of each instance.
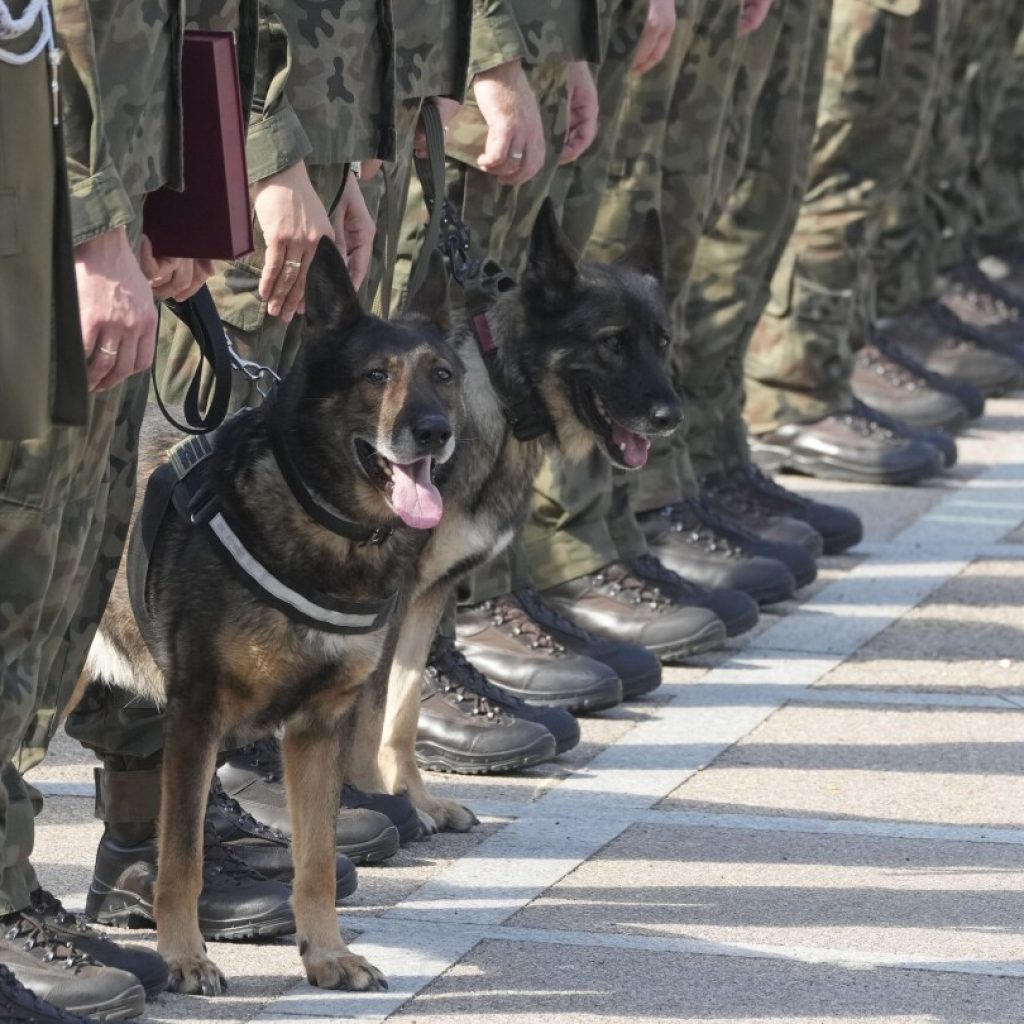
(196, 976)
(428, 824)
(448, 815)
(344, 970)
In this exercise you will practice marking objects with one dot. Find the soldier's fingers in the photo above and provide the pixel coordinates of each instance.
(144, 352)
(516, 169)
(359, 264)
(272, 267)
(297, 286)
(175, 277)
(124, 365)
(104, 358)
(284, 285)
(198, 279)
(495, 157)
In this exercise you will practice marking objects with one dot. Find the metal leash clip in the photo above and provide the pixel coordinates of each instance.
(263, 377)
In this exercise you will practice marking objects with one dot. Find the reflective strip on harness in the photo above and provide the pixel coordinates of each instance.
(280, 592)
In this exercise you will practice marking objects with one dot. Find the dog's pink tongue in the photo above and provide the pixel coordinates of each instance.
(634, 448)
(414, 496)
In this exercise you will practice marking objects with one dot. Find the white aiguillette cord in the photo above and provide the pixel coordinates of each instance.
(36, 11)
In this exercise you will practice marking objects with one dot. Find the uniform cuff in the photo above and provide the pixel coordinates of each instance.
(495, 39)
(99, 204)
(275, 143)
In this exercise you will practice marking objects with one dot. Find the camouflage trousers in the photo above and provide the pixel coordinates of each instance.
(124, 730)
(65, 502)
(883, 72)
(1001, 218)
(933, 222)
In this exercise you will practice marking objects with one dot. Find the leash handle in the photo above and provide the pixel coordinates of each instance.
(199, 314)
(430, 171)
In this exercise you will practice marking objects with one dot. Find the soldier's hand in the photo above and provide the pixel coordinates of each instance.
(514, 151)
(293, 220)
(353, 231)
(753, 15)
(117, 310)
(581, 111)
(172, 277)
(657, 35)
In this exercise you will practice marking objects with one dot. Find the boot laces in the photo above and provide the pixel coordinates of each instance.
(508, 614)
(45, 904)
(901, 357)
(867, 422)
(881, 363)
(231, 807)
(27, 999)
(972, 285)
(221, 862)
(35, 934)
(650, 568)
(460, 682)
(543, 613)
(763, 484)
(618, 579)
(702, 526)
(265, 755)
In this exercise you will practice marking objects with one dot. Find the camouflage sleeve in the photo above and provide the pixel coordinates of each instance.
(496, 38)
(99, 200)
(275, 138)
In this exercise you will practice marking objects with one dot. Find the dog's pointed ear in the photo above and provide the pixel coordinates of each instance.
(647, 252)
(551, 261)
(331, 301)
(431, 298)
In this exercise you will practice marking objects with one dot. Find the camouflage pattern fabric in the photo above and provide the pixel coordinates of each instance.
(432, 46)
(739, 254)
(882, 75)
(341, 81)
(1002, 178)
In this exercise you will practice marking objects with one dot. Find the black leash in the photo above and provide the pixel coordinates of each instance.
(199, 314)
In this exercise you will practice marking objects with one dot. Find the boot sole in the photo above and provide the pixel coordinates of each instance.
(118, 908)
(436, 759)
(710, 638)
(641, 686)
(774, 459)
(126, 1005)
(376, 851)
(609, 695)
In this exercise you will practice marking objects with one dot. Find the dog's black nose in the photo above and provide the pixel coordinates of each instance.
(666, 416)
(431, 432)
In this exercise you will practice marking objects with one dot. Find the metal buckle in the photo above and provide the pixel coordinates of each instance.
(263, 377)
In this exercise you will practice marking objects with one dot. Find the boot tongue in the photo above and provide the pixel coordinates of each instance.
(634, 448)
(414, 496)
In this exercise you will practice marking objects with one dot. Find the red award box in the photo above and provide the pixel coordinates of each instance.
(212, 217)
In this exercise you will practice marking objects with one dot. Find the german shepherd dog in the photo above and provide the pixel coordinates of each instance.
(585, 344)
(367, 420)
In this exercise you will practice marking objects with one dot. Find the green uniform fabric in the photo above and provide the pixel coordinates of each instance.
(883, 74)
(1002, 178)
(771, 138)
(36, 270)
(668, 157)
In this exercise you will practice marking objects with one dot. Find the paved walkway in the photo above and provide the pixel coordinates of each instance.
(823, 823)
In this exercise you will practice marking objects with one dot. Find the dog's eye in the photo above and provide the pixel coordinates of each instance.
(443, 374)
(663, 340)
(614, 342)
(377, 376)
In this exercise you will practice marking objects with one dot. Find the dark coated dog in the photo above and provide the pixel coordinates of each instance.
(571, 359)
(279, 592)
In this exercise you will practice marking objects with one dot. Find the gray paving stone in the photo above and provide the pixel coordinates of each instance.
(947, 766)
(968, 636)
(515, 983)
(943, 900)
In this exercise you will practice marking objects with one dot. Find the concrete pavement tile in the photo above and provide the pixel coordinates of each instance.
(943, 900)
(523, 983)
(968, 636)
(947, 766)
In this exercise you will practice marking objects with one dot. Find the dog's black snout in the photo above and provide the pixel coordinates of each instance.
(431, 432)
(666, 416)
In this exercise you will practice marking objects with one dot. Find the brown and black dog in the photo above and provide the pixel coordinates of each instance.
(577, 356)
(282, 619)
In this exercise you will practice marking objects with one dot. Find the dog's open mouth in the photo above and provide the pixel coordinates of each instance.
(625, 447)
(409, 488)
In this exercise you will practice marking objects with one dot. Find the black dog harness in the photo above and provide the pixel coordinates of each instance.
(182, 486)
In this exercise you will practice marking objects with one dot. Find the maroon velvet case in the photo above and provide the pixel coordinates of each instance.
(212, 217)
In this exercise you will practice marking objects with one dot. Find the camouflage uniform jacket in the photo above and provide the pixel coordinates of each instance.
(541, 30)
(432, 46)
(342, 80)
(122, 100)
